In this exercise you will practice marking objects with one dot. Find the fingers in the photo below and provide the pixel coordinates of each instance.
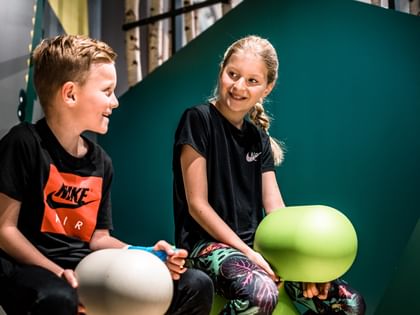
(165, 246)
(260, 261)
(270, 272)
(319, 290)
(170, 250)
(310, 290)
(70, 277)
(180, 253)
(175, 276)
(176, 267)
(324, 289)
(175, 260)
(179, 262)
(176, 263)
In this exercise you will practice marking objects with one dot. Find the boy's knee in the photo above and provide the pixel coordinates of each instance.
(193, 294)
(198, 281)
(60, 299)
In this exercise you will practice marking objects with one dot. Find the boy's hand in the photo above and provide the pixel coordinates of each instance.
(70, 277)
(175, 259)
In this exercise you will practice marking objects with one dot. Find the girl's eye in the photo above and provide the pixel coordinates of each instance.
(252, 81)
(232, 74)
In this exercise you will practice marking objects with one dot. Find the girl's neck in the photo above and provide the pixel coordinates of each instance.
(236, 119)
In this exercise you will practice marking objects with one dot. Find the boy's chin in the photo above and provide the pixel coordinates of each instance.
(102, 132)
(102, 129)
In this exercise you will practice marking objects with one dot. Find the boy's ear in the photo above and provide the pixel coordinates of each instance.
(68, 92)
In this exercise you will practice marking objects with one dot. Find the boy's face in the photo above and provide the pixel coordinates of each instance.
(96, 98)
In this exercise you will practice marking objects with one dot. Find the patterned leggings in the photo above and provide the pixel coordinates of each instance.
(251, 291)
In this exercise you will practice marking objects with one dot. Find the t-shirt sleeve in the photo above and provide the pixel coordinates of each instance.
(16, 149)
(267, 154)
(192, 130)
(104, 220)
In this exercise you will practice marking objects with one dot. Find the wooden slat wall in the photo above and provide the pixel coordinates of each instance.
(132, 42)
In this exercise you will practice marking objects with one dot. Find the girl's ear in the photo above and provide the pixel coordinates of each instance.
(268, 89)
(68, 93)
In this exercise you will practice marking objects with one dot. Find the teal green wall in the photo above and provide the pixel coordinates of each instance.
(347, 105)
(405, 279)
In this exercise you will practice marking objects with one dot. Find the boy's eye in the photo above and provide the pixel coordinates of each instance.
(253, 81)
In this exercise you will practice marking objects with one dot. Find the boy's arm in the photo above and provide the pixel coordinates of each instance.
(102, 239)
(174, 258)
(14, 243)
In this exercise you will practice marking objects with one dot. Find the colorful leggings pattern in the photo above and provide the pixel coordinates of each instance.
(251, 291)
(341, 300)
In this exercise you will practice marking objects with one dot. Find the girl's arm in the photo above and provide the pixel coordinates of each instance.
(272, 199)
(194, 173)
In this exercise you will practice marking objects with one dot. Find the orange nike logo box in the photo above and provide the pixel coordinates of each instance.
(71, 204)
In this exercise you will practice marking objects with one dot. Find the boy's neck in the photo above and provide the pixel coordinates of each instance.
(69, 138)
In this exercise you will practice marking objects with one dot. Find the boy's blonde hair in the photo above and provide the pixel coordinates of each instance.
(263, 48)
(65, 58)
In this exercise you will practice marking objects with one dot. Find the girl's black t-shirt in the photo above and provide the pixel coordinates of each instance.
(235, 162)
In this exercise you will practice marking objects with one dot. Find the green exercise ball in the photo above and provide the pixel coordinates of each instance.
(218, 304)
(307, 243)
(285, 305)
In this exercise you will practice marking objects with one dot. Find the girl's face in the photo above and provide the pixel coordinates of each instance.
(242, 83)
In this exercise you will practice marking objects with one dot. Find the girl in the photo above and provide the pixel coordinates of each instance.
(224, 163)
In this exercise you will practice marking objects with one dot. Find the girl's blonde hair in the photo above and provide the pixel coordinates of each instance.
(263, 48)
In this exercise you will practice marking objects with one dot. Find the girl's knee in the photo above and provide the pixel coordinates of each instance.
(265, 297)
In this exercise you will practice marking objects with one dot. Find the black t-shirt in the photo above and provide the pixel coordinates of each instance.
(63, 198)
(235, 162)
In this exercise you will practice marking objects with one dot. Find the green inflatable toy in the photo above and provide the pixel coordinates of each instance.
(307, 243)
(303, 244)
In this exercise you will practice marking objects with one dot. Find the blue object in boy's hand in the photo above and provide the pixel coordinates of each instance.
(159, 253)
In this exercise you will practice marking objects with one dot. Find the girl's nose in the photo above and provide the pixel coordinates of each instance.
(239, 84)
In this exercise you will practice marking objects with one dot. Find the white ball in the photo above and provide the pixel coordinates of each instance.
(124, 282)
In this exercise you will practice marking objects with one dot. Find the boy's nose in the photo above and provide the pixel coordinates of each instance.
(115, 102)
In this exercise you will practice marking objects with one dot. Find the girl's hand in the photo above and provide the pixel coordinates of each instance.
(258, 259)
(320, 290)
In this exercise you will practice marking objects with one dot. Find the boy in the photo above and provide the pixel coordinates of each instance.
(55, 184)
